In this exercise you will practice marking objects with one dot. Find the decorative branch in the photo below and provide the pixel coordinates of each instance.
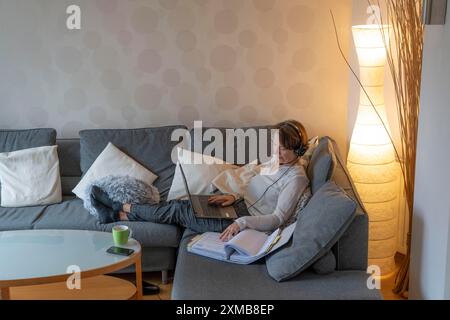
(405, 64)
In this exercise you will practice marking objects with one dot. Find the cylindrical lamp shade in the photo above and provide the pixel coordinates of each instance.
(371, 160)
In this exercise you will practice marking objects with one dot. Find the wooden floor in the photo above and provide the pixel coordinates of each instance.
(165, 290)
(387, 284)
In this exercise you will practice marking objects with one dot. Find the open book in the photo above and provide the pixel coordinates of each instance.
(246, 247)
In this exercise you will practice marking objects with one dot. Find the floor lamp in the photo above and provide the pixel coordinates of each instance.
(371, 160)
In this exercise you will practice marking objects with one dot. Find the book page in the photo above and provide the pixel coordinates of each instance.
(244, 248)
(269, 241)
(285, 236)
(210, 242)
(247, 242)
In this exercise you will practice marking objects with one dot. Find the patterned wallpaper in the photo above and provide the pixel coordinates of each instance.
(138, 63)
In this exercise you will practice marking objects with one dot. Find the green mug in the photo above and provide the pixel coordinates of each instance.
(121, 234)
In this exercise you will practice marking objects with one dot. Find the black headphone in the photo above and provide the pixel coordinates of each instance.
(302, 148)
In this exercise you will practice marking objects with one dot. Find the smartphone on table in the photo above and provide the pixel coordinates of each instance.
(120, 251)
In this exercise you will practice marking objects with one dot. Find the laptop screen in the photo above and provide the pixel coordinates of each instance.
(185, 183)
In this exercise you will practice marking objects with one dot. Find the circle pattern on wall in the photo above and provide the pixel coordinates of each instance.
(150, 63)
(223, 58)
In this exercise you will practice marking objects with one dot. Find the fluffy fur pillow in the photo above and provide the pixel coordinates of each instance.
(124, 189)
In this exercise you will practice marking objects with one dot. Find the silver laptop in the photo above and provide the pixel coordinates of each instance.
(201, 207)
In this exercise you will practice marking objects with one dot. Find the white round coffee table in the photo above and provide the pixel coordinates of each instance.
(35, 257)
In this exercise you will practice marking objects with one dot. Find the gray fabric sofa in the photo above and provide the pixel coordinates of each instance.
(164, 246)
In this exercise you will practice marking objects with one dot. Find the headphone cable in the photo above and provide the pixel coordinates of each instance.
(267, 189)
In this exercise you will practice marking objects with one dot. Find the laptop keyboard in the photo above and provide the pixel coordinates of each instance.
(212, 210)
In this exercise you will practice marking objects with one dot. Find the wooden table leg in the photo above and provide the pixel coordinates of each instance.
(138, 268)
(4, 294)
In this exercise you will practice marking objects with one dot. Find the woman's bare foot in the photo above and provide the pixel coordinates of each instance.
(126, 207)
(123, 216)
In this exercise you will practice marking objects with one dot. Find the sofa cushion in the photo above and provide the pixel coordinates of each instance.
(69, 157)
(68, 184)
(71, 214)
(69, 162)
(13, 140)
(151, 147)
(30, 177)
(351, 249)
(322, 164)
(324, 219)
(19, 218)
(326, 264)
(67, 215)
(197, 277)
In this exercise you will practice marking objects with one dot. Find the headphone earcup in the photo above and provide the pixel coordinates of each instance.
(301, 151)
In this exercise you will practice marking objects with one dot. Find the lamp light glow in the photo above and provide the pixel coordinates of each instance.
(371, 159)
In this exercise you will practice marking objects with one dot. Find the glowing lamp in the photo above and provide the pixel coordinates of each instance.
(371, 160)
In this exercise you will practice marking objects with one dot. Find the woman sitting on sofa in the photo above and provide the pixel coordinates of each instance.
(270, 200)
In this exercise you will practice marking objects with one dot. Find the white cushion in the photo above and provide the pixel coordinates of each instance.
(112, 161)
(235, 181)
(30, 177)
(198, 176)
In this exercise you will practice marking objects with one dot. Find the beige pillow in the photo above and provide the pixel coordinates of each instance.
(234, 181)
(30, 177)
(198, 175)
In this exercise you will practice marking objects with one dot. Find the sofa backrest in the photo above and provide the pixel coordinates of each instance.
(69, 164)
(234, 138)
(321, 164)
(152, 147)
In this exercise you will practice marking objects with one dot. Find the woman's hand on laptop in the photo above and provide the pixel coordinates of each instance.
(223, 200)
(232, 230)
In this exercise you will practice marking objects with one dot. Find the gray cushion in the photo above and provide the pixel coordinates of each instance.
(197, 277)
(351, 249)
(68, 184)
(71, 214)
(326, 264)
(69, 163)
(19, 218)
(322, 164)
(151, 147)
(69, 157)
(325, 218)
(13, 140)
(262, 131)
(67, 215)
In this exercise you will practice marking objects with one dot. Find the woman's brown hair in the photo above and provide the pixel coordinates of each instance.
(293, 135)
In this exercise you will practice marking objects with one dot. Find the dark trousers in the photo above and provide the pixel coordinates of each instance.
(177, 212)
